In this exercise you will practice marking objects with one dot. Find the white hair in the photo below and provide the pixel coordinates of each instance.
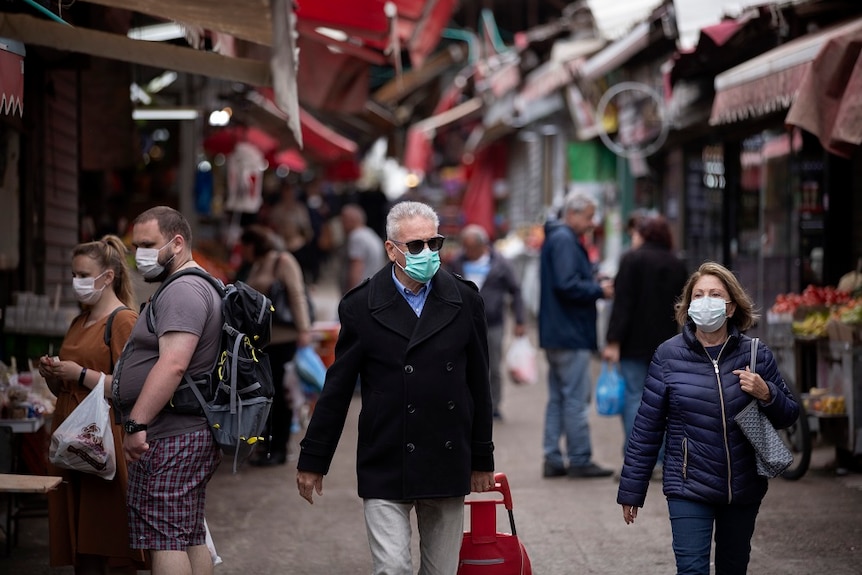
(406, 211)
(577, 202)
(476, 232)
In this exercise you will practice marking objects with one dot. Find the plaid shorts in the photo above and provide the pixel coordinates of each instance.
(167, 492)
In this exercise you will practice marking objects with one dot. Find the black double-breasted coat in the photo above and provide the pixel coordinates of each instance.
(426, 419)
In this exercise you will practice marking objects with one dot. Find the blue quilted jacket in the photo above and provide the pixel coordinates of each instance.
(707, 457)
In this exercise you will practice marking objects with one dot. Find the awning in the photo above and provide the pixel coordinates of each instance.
(616, 54)
(320, 142)
(828, 103)
(769, 82)
(364, 26)
(656, 33)
(11, 77)
(331, 81)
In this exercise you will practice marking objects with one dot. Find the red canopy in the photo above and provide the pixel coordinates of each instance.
(319, 141)
(225, 140)
(290, 158)
(827, 102)
(417, 25)
(11, 83)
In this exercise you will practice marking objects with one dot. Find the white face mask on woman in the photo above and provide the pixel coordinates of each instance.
(85, 289)
(708, 313)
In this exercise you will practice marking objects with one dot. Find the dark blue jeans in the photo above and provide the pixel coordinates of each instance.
(692, 526)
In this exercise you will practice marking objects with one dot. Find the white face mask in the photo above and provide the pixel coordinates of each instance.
(708, 313)
(85, 289)
(147, 261)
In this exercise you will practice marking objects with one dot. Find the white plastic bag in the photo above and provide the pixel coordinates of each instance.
(85, 441)
(211, 546)
(521, 361)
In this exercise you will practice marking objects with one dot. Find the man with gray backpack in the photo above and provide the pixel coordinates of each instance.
(170, 440)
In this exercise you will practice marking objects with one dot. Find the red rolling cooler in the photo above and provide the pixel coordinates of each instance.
(484, 551)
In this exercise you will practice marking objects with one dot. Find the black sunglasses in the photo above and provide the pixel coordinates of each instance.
(416, 246)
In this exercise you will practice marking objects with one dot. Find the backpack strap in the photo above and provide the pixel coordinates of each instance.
(216, 283)
(108, 333)
(151, 315)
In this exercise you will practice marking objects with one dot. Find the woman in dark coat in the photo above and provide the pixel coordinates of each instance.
(697, 383)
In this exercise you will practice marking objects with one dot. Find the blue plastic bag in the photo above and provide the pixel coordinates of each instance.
(610, 391)
(309, 367)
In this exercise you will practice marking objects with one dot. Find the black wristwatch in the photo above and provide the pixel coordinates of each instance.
(132, 426)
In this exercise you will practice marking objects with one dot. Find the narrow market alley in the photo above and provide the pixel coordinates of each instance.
(260, 524)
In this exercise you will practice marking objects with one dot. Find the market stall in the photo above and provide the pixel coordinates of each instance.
(816, 337)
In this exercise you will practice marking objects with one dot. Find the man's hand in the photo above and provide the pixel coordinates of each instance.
(520, 329)
(481, 481)
(607, 289)
(307, 483)
(611, 353)
(305, 338)
(135, 445)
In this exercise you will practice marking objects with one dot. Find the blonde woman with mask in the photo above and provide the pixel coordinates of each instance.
(87, 514)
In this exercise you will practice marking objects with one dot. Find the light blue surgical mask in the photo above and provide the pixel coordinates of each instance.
(708, 313)
(422, 266)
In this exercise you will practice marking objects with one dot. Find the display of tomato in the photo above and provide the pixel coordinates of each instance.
(811, 296)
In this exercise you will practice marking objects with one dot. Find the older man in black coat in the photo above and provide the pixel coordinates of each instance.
(416, 338)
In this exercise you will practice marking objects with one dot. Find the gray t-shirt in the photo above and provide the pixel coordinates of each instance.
(190, 305)
(365, 245)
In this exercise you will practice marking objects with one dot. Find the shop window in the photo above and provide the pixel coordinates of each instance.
(705, 187)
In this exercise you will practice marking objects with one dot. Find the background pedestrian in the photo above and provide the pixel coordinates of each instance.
(567, 333)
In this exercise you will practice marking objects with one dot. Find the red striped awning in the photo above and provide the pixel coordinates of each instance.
(769, 82)
(11, 77)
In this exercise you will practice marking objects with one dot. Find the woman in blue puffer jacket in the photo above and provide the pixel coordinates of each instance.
(697, 382)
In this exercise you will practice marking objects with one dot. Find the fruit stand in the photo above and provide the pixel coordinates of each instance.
(816, 337)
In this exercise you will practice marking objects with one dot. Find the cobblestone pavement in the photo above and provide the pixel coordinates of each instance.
(569, 526)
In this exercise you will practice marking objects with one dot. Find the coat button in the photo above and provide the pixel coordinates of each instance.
(450, 366)
(408, 369)
(411, 448)
(411, 408)
(450, 406)
(449, 445)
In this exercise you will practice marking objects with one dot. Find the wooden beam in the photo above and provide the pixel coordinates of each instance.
(32, 30)
(394, 90)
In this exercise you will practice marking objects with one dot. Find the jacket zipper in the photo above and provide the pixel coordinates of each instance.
(685, 458)
(723, 414)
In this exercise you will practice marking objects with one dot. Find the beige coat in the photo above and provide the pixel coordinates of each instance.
(261, 278)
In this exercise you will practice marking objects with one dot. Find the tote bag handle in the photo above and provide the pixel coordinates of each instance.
(753, 362)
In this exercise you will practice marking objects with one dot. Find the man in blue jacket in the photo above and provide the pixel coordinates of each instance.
(567, 333)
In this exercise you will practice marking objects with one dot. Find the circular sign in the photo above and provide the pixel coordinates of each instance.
(630, 116)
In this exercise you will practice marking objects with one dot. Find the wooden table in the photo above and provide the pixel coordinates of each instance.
(13, 484)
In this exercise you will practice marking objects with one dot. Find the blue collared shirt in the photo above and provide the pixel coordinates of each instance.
(416, 300)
